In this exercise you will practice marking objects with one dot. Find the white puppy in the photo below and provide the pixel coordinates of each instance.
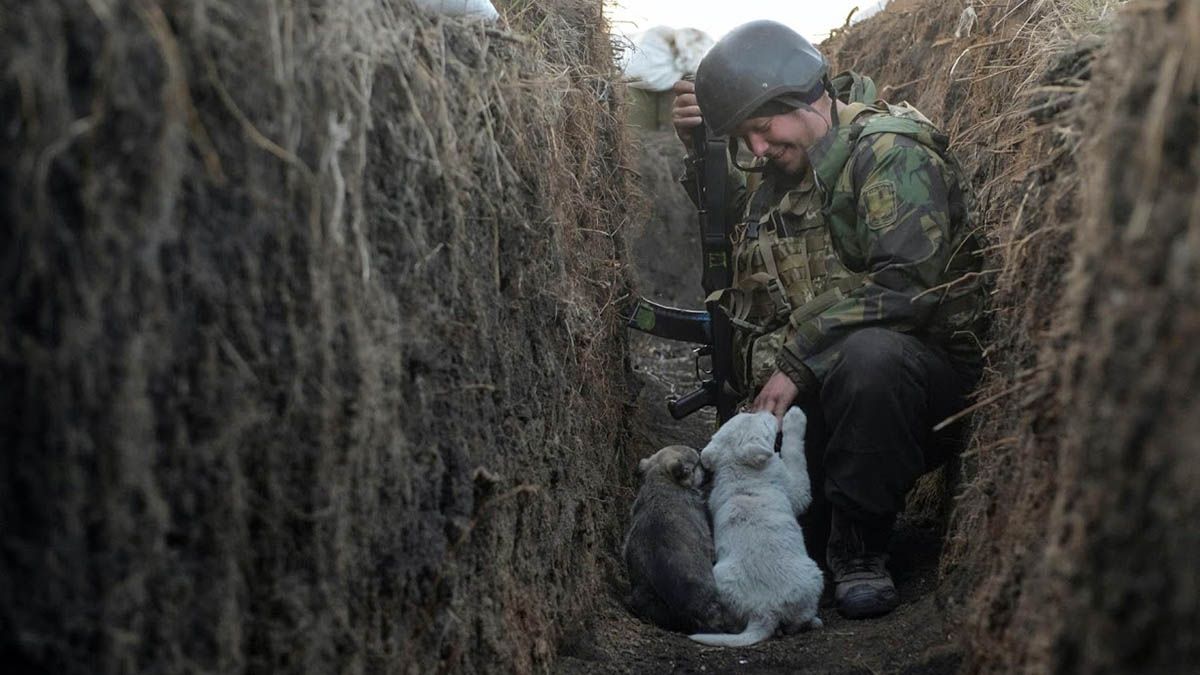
(763, 572)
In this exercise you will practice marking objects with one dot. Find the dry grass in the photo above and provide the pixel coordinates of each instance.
(1089, 569)
(1065, 552)
(311, 360)
(1003, 95)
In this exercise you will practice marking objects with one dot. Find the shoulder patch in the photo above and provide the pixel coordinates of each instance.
(879, 202)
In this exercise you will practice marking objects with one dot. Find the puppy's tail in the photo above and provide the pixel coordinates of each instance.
(758, 629)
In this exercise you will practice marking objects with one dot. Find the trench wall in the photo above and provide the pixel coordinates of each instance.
(1066, 550)
(310, 360)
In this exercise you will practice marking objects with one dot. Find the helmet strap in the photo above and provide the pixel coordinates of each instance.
(733, 153)
(833, 103)
(830, 125)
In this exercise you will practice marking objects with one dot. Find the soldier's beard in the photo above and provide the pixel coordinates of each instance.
(792, 161)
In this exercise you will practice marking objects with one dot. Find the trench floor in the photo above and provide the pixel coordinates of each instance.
(913, 639)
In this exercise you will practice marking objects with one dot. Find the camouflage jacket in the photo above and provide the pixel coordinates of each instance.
(878, 235)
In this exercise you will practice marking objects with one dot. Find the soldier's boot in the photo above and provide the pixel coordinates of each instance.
(857, 558)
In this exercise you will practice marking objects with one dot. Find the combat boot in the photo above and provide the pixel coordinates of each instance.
(857, 558)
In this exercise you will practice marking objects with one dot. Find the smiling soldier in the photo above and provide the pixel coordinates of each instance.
(855, 293)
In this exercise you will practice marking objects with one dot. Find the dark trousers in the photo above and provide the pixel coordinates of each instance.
(870, 434)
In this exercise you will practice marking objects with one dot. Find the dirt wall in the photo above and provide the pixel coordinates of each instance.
(1110, 583)
(310, 360)
(665, 248)
(1067, 551)
(1004, 93)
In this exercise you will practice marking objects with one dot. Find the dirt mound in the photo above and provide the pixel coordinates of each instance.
(310, 359)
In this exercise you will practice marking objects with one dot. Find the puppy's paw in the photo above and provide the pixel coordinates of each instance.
(795, 422)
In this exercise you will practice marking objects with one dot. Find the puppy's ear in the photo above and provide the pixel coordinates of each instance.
(643, 466)
(707, 455)
(755, 457)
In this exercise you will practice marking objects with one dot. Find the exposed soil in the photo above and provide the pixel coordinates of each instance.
(309, 358)
(315, 365)
(913, 639)
(666, 250)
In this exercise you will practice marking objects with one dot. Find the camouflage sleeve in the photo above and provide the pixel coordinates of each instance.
(901, 232)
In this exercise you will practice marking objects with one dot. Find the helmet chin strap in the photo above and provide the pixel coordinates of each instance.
(831, 126)
(832, 122)
(733, 153)
(833, 102)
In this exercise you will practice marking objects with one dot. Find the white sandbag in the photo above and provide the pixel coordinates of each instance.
(868, 11)
(480, 8)
(661, 56)
(652, 60)
(691, 45)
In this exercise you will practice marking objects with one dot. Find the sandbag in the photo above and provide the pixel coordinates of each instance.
(480, 8)
(662, 55)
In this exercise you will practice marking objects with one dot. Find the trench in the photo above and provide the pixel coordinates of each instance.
(912, 639)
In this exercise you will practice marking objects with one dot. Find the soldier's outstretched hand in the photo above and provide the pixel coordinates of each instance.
(685, 112)
(776, 395)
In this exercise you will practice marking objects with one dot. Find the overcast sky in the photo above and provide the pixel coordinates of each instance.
(811, 18)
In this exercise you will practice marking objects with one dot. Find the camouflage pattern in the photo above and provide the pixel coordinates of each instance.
(783, 238)
(897, 210)
(877, 235)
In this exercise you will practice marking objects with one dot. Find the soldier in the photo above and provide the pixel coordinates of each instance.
(856, 289)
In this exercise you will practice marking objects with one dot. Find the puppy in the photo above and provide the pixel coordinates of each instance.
(763, 573)
(669, 549)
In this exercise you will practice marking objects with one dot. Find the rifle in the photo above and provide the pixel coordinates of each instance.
(710, 328)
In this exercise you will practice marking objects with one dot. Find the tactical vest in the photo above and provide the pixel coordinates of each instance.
(787, 268)
(784, 261)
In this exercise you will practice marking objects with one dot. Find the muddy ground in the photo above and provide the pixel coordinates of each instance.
(913, 639)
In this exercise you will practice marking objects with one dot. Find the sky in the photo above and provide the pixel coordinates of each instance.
(811, 18)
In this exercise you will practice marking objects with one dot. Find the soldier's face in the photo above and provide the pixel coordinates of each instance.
(782, 139)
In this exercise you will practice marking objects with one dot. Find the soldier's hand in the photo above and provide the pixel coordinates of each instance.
(685, 112)
(776, 395)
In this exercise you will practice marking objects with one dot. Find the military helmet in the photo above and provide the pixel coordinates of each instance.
(754, 64)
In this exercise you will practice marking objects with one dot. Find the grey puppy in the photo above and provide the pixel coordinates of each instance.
(669, 548)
